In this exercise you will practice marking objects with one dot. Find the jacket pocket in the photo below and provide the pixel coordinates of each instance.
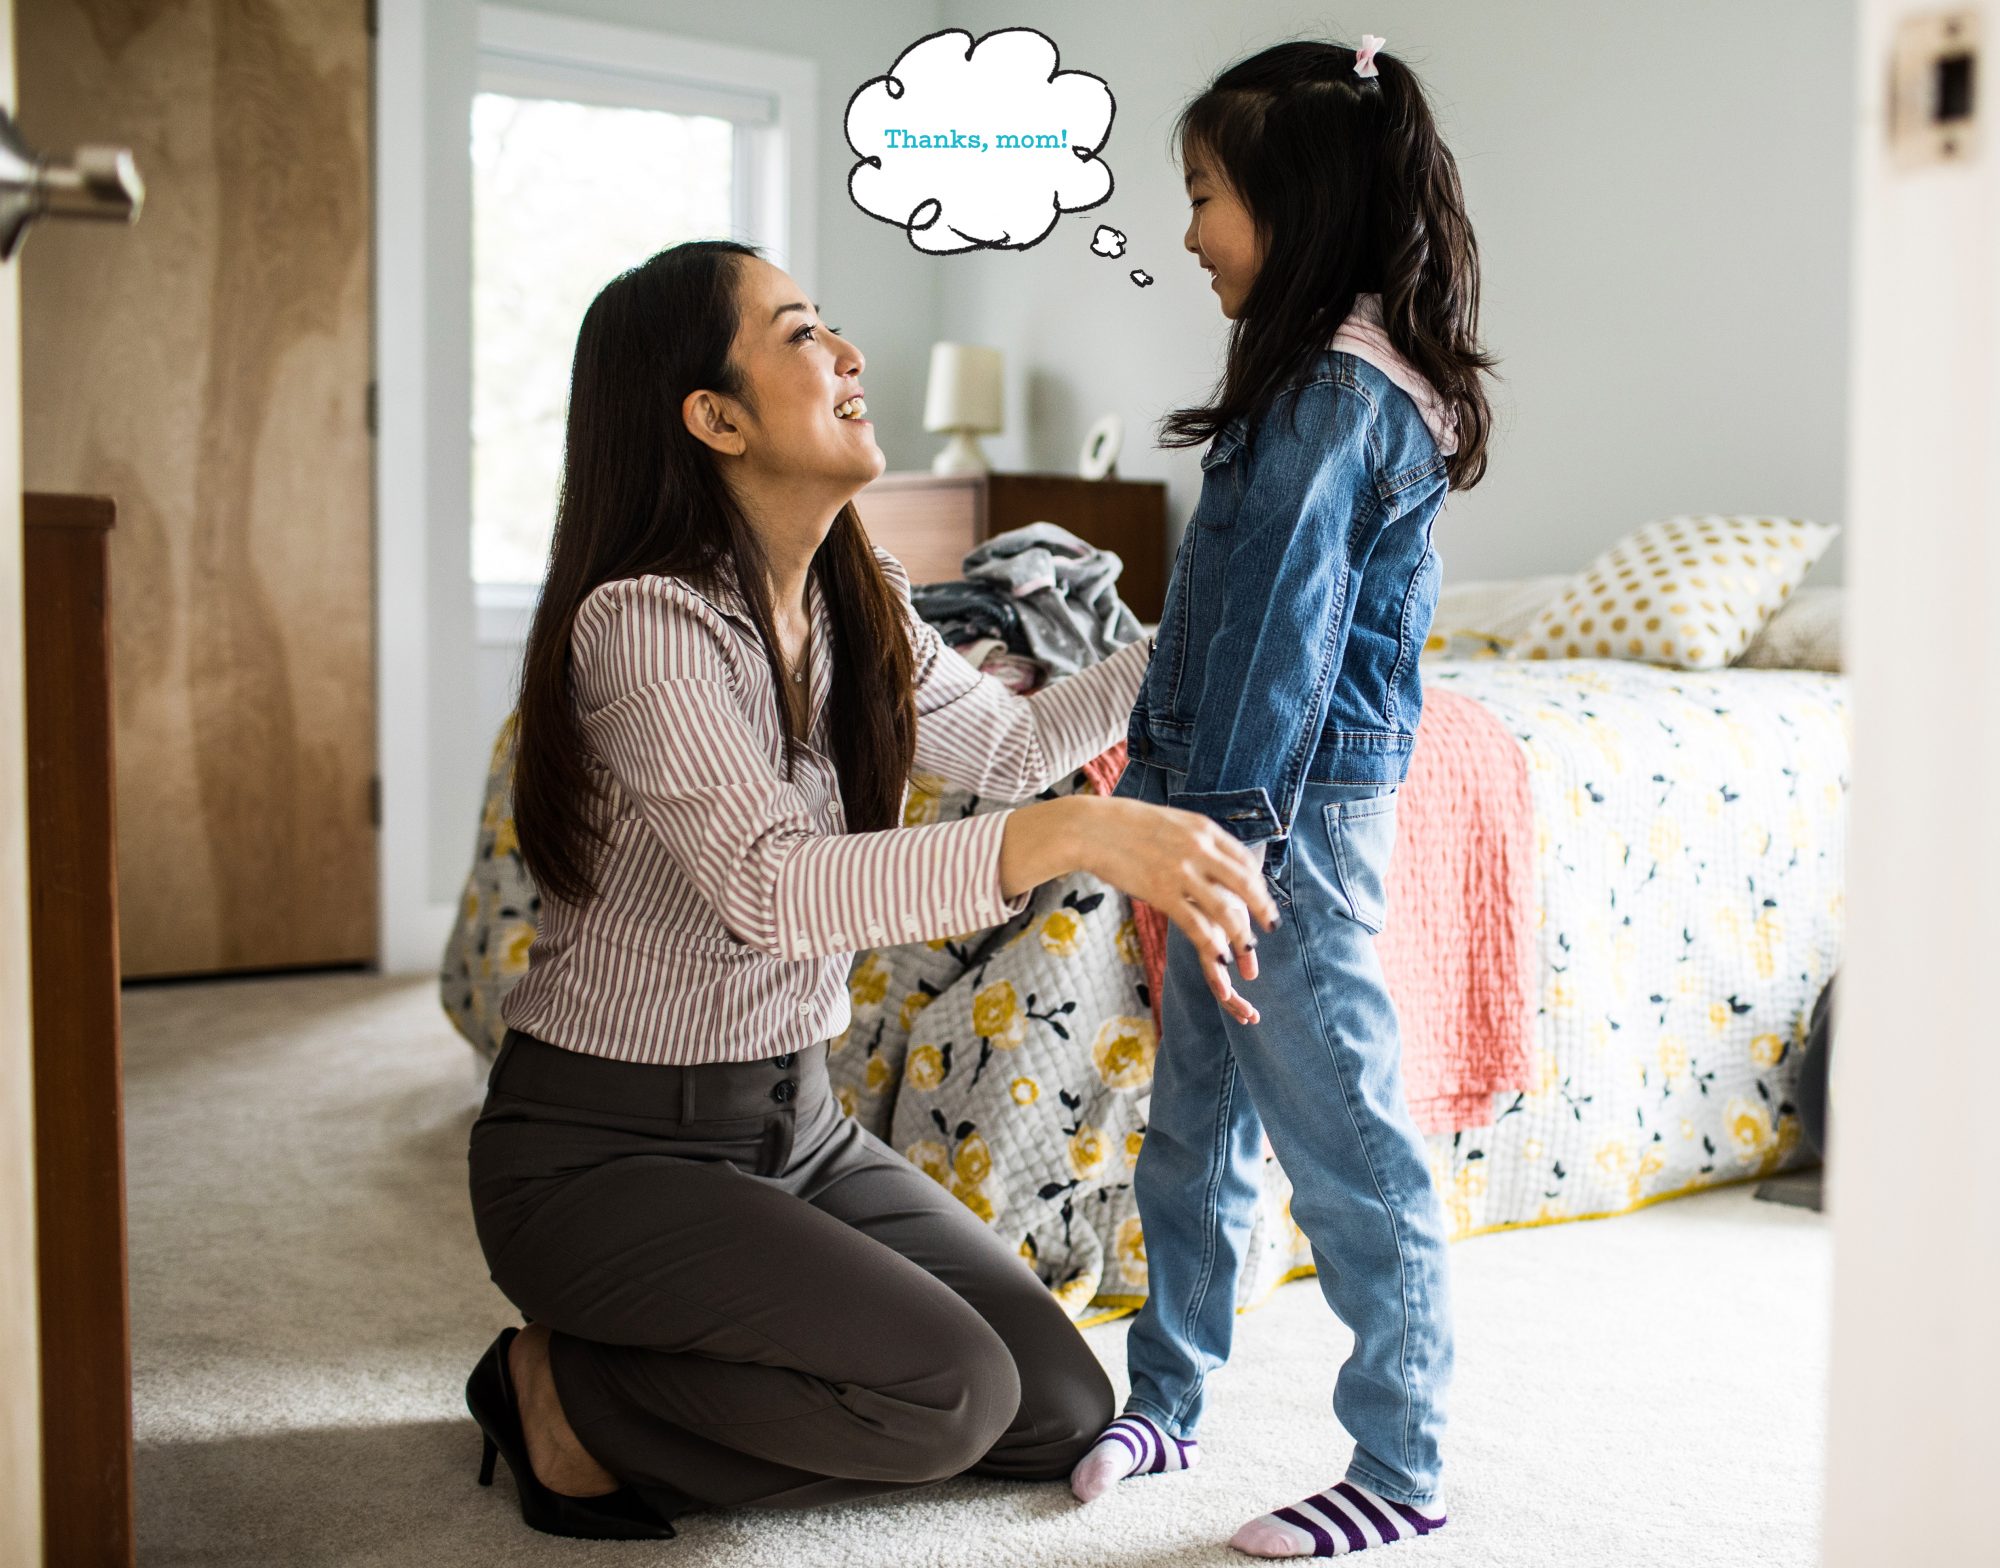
(1221, 485)
(1363, 837)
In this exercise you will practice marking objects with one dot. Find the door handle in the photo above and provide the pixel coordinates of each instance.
(99, 183)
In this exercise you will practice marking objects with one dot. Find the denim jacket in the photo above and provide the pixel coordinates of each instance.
(1301, 596)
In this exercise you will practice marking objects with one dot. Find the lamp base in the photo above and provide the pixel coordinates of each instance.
(961, 455)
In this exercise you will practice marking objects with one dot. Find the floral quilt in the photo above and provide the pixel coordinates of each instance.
(1690, 849)
(1689, 836)
(1013, 1064)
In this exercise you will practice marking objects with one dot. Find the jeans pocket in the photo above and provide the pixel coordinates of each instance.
(1362, 834)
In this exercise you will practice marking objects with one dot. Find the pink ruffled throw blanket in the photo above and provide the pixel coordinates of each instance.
(1458, 948)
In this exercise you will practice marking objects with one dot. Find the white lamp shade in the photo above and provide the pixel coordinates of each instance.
(964, 389)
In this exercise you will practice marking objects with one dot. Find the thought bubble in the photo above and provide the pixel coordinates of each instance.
(1107, 241)
(979, 144)
(1142, 277)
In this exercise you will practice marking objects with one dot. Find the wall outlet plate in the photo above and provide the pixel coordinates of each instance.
(1934, 89)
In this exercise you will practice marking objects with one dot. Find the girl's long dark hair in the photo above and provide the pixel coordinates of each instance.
(640, 495)
(1352, 192)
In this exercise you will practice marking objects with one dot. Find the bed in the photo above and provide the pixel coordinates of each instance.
(1683, 913)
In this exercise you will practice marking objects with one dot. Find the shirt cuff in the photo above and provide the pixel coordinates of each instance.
(1003, 908)
(1245, 814)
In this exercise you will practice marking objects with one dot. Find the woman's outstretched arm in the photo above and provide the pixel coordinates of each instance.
(659, 708)
(976, 733)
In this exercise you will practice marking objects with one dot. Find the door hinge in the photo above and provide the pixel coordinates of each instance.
(374, 22)
(375, 801)
(369, 414)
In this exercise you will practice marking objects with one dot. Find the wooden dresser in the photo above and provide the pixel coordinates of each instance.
(929, 523)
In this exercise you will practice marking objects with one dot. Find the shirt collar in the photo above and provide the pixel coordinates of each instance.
(726, 595)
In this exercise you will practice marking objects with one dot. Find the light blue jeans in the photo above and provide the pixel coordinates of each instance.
(1322, 1072)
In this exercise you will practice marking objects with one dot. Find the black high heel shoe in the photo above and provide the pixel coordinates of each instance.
(616, 1516)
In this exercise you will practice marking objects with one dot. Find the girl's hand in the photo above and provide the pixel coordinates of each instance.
(1198, 876)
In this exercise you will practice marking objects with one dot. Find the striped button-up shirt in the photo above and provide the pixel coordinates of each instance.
(730, 900)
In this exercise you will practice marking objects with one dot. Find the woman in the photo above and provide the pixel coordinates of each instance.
(738, 1297)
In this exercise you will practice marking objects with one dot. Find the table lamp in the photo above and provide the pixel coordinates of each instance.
(963, 400)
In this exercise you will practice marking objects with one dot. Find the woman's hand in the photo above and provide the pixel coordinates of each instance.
(1180, 862)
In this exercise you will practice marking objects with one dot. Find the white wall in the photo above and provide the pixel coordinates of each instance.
(1661, 194)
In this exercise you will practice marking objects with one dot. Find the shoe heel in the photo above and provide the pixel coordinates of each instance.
(617, 1516)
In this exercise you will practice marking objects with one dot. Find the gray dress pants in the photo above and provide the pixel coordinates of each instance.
(753, 1301)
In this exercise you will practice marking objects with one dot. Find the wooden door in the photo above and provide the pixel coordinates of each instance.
(209, 372)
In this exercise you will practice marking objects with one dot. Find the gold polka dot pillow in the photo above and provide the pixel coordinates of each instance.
(1686, 591)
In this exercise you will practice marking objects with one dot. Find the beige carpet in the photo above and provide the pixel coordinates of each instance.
(308, 1297)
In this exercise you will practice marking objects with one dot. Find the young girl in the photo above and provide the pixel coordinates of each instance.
(1282, 703)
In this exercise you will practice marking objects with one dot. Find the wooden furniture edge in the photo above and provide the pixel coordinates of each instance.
(43, 509)
(83, 1275)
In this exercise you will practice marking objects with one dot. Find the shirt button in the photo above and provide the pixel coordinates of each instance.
(784, 1091)
(877, 932)
(839, 938)
(805, 1009)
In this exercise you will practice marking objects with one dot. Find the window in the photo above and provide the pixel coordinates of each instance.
(564, 197)
(592, 148)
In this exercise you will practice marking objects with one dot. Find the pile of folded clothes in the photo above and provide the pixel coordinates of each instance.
(1036, 603)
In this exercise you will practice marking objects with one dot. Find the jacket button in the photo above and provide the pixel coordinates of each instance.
(784, 1091)
(782, 1061)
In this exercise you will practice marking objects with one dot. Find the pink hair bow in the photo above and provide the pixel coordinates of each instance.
(1364, 57)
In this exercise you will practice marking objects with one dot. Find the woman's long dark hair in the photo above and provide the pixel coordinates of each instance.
(1352, 192)
(641, 496)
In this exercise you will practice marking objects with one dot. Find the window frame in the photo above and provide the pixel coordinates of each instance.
(770, 98)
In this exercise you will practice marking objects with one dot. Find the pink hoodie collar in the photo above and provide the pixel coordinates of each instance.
(1362, 335)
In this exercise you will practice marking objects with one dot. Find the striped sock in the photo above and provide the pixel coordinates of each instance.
(1344, 1518)
(1131, 1445)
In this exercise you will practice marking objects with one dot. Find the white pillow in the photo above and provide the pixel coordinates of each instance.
(1804, 635)
(1689, 592)
(1481, 618)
